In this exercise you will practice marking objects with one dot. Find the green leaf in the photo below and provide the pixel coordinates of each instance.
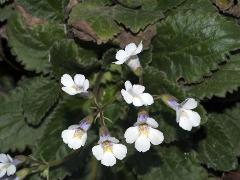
(67, 57)
(167, 5)
(50, 146)
(152, 4)
(169, 163)
(5, 12)
(31, 44)
(51, 10)
(226, 79)
(39, 97)
(186, 38)
(158, 83)
(15, 133)
(221, 145)
(83, 17)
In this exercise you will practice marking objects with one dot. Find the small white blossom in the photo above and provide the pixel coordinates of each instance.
(76, 85)
(7, 165)
(144, 133)
(129, 55)
(109, 149)
(76, 135)
(185, 116)
(134, 94)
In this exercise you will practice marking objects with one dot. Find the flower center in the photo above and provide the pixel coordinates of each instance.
(183, 113)
(78, 134)
(107, 146)
(143, 129)
(77, 88)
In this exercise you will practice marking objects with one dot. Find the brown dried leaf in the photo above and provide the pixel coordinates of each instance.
(228, 7)
(126, 37)
(28, 18)
(231, 176)
(83, 31)
(70, 5)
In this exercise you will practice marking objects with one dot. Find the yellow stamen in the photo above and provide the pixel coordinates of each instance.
(143, 129)
(78, 134)
(107, 147)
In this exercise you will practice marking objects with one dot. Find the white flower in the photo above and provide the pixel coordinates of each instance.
(143, 133)
(76, 86)
(109, 150)
(76, 135)
(129, 55)
(134, 94)
(186, 118)
(6, 165)
(130, 50)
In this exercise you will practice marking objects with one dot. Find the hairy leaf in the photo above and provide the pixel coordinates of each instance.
(221, 145)
(47, 9)
(169, 163)
(39, 97)
(226, 79)
(5, 12)
(31, 44)
(51, 147)
(67, 57)
(187, 38)
(103, 27)
(15, 133)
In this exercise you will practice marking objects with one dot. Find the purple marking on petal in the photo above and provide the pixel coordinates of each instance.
(84, 125)
(142, 118)
(173, 103)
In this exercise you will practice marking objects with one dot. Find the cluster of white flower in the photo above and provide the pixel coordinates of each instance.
(144, 132)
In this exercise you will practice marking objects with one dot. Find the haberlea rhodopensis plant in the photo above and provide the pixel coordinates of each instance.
(119, 89)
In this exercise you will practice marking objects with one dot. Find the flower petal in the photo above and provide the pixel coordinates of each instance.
(139, 49)
(75, 143)
(67, 135)
(130, 49)
(156, 137)
(194, 117)
(128, 85)
(108, 159)
(86, 85)
(119, 151)
(84, 139)
(3, 158)
(79, 79)
(11, 170)
(137, 101)
(73, 127)
(2, 172)
(147, 99)
(97, 152)
(67, 80)
(133, 63)
(151, 122)
(121, 56)
(138, 89)
(185, 123)
(131, 134)
(142, 144)
(126, 96)
(69, 90)
(9, 158)
(189, 103)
